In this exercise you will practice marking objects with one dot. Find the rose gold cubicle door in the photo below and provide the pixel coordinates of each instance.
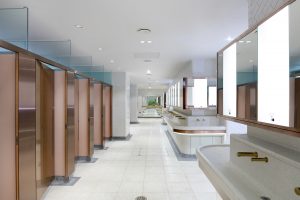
(70, 140)
(98, 132)
(44, 127)
(91, 118)
(8, 126)
(27, 128)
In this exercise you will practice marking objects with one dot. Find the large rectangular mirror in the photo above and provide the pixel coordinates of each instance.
(267, 72)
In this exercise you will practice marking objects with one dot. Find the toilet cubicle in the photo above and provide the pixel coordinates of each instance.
(49, 116)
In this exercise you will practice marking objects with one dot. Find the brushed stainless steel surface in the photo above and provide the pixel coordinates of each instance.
(8, 126)
(91, 119)
(27, 128)
(70, 140)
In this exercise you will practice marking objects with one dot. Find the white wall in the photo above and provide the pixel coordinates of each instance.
(121, 104)
(234, 128)
(133, 103)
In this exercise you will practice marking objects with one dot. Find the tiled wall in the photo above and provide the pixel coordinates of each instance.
(259, 9)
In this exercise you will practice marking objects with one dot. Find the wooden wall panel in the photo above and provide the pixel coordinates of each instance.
(7, 124)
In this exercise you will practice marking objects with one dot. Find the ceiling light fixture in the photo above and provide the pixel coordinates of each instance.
(78, 26)
(149, 87)
(100, 49)
(251, 61)
(75, 71)
(112, 61)
(241, 41)
(148, 72)
(229, 38)
(248, 41)
(149, 41)
(142, 41)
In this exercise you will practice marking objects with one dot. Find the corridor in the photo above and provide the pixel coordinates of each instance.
(144, 165)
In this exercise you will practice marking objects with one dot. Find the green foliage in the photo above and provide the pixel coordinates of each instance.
(152, 102)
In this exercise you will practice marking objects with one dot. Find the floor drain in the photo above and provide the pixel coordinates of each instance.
(141, 198)
(265, 198)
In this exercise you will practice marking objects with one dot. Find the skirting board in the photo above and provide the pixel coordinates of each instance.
(85, 159)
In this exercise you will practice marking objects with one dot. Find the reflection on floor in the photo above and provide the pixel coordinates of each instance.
(149, 113)
(145, 165)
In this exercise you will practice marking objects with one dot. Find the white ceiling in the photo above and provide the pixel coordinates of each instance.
(181, 30)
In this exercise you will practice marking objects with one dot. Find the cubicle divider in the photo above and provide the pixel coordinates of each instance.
(44, 127)
(98, 133)
(49, 116)
(8, 124)
(107, 111)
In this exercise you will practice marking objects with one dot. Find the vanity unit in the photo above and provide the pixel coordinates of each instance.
(190, 132)
(258, 85)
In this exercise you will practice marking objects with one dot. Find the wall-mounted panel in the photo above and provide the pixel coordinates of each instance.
(273, 69)
(229, 81)
(8, 126)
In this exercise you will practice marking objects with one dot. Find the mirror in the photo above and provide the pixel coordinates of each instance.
(246, 76)
(267, 72)
(220, 84)
(201, 93)
(294, 67)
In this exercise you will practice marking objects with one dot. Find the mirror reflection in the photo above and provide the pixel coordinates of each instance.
(294, 68)
(246, 75)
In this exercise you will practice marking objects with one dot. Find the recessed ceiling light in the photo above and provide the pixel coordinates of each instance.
(251, 61)
(75, 71)
(229, 38)
(78, 26)
(100, 49)
(112, 61)
(149, 41)
(142, 41)
(149, 87)
(148, 72)
(248, 41)
(241, 41)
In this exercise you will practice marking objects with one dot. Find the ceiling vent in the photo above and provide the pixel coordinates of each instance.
(144, 30)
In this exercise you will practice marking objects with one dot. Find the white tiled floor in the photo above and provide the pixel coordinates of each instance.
(144, 165)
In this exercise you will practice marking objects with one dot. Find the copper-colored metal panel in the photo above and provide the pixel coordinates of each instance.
(91, 118)
(44, 128)
(76, 116)
(70, 140)
(60, 122)
(98, 138)
(83, 116)
(7, 124)
(27, 128)
(107, 111)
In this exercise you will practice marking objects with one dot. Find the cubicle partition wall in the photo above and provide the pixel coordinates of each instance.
(91, 118)
(8, 125)
(70, 141)
(107, 111)
(98, 133)
(44, 127)
(83, 123)
(26, 133)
